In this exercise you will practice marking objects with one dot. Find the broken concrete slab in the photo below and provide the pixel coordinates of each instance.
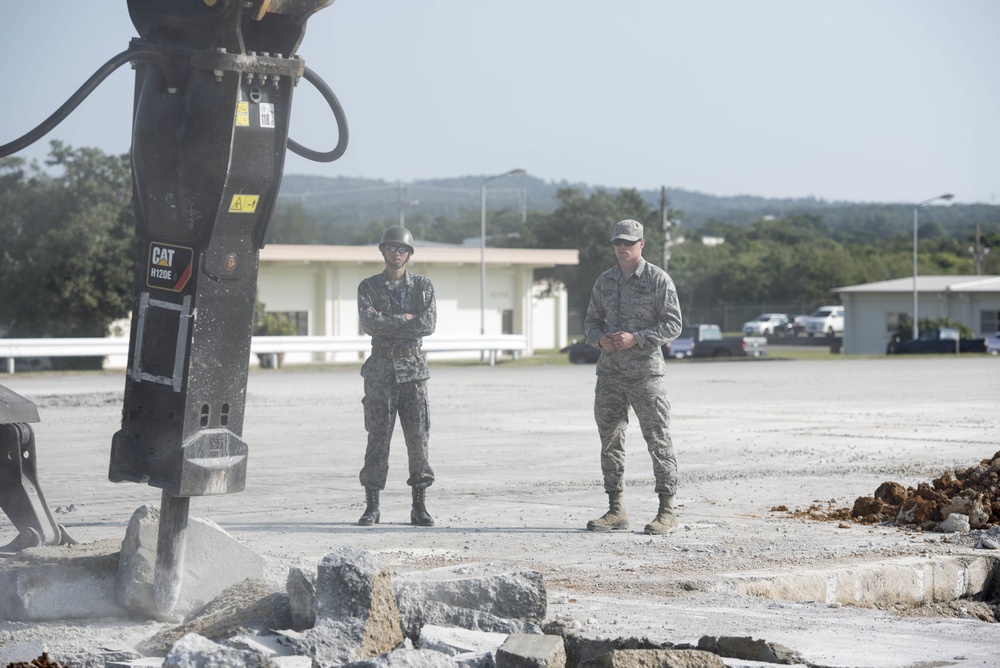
(661, 658)
(529, 650)
(249, 606)
(205, 574)
(335, 642)
(408, 658)
(21, 652)
(481, 596)
(454, 641)
(301, 588)
(909, 581)
(195, 651)
(356, 613)
(60, 582)
(142, 662)
(750, 649)
(352, 584)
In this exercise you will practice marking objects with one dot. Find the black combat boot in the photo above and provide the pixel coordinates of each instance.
(419, 515)
(371, 515)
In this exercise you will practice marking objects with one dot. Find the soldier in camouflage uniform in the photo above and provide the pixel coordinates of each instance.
(397, 308)
(633, 311)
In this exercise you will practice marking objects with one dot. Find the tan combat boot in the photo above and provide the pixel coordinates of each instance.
(616, 519)
(665, 519)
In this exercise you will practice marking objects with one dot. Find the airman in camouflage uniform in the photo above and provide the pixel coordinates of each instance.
(633, 311)
(397, 308)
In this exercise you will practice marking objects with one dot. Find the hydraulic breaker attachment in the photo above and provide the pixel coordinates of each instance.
(20, 496)
(210, 130)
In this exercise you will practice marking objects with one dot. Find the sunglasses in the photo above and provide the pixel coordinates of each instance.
(623, 242)
(393, 248)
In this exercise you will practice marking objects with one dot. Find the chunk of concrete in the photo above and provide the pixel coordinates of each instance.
(142, 662)
(956, 523)
(250, 606)
(480, 597)
(22, 652)
(301, 587)
(408, 658)
(213, 561)
(60, 582)
(195, 651)
(750, 649)
(524, 650)
(661, 658)
(454, 641)
(356, 611)
(475, 660)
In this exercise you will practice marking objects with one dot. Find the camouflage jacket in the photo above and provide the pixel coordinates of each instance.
(396, 341)
(644, 304)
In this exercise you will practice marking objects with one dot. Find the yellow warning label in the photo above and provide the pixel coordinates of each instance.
(243, 114)
(243, 204)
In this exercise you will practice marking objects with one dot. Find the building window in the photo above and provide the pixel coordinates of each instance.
(507, 325)
(299, 319)
(989, 321)
(893, 320)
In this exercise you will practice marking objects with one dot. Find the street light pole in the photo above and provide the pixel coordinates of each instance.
(915, 216)
(482, 247)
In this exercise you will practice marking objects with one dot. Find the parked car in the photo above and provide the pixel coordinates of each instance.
(938, 340)
(582, 353)
(993, 343)
(826, 320)
(768, 324)
(707, 341)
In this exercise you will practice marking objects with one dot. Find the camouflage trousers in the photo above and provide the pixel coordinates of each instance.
(382, 402)
(648, 398)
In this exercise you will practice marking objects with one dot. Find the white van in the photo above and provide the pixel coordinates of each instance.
(828, 320)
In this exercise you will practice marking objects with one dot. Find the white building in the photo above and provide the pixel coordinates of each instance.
(872, 311)
(317, 286)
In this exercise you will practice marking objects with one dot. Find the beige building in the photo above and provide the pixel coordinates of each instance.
(872, 311)
(317, 287)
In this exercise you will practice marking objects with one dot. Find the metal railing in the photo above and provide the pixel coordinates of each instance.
(490, 347)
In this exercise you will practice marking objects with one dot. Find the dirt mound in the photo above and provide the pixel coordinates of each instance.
(973, 492)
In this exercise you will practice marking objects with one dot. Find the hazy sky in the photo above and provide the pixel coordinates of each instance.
(865, 100)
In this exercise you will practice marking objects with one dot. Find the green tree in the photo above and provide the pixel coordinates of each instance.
(586, 223)
(292, 224)
(66, 243)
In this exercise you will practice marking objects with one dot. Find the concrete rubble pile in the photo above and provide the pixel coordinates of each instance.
(347, 610)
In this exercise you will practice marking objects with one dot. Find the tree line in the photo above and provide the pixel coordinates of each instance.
(67, 245)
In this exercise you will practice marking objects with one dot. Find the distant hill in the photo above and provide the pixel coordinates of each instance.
(366, 200)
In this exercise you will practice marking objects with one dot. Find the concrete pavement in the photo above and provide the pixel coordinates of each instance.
(515, 451)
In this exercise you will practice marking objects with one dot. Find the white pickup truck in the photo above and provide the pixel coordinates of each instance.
(826, 321)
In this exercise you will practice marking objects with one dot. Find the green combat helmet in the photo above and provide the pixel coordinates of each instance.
(397, 235)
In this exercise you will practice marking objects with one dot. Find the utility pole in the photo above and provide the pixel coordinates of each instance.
(978, 252)
(665, 225)
(399, 203)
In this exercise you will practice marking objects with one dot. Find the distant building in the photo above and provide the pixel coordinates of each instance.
(317, 287)
(873, 311)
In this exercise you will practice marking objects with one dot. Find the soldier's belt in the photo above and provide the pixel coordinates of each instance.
(409, 351)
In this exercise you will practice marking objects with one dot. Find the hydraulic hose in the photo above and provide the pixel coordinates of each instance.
(86, 89)
(338, 114)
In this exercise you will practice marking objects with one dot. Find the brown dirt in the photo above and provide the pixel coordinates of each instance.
(972, 491)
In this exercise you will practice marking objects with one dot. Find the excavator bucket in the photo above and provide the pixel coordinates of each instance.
(20, 496)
